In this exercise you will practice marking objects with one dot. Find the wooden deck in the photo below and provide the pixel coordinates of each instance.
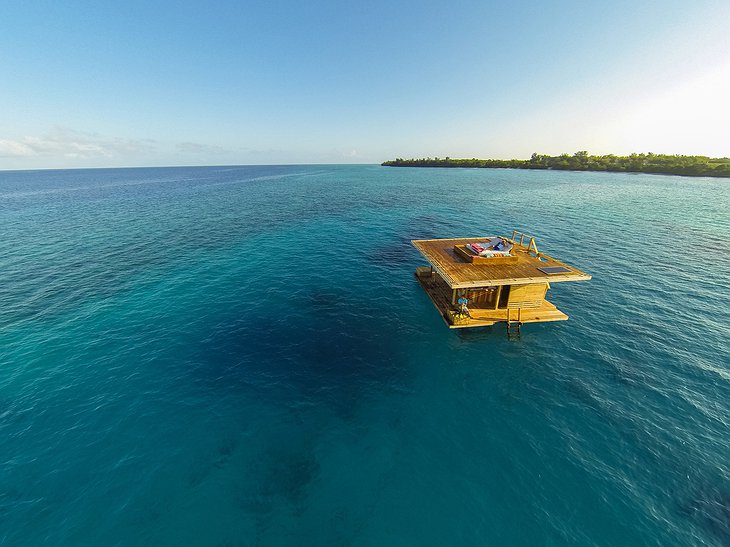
(440, 294)
(460, 274)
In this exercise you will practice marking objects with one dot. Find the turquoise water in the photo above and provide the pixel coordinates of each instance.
(241, 356)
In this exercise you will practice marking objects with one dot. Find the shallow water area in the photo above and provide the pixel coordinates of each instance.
(241, 355)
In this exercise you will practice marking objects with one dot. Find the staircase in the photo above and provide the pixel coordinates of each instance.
(513, 325)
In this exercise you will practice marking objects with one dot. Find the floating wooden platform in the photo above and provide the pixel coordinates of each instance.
(460, 274)
(510, 290)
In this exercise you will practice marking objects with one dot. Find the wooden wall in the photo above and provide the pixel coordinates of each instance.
(527, 296)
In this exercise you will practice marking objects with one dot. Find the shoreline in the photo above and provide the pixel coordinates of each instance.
(655, 164)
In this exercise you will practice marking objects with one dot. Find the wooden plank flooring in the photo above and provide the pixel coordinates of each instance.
(459, 273)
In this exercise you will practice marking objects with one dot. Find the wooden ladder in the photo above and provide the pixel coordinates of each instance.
(513, 325)
(532, 246)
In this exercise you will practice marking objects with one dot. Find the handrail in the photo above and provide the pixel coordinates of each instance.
(532, 246)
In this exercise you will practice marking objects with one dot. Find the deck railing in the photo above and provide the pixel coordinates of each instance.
(531, 246)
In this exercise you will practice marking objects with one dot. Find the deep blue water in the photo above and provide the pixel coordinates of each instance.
(241, 356)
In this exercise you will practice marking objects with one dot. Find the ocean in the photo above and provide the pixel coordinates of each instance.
(242, 356)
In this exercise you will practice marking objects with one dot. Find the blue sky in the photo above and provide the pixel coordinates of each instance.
(93, 84)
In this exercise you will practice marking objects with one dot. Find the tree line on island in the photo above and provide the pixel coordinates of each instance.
(664, 164)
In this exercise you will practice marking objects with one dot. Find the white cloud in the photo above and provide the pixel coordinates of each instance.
(69, 143)
(15, 149)
(199, 148)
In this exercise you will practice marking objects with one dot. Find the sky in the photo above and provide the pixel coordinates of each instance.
(148, 83)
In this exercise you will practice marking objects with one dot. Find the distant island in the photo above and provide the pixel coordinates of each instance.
(661, 164)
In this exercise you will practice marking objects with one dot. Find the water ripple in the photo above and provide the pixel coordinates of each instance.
(246, 347)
